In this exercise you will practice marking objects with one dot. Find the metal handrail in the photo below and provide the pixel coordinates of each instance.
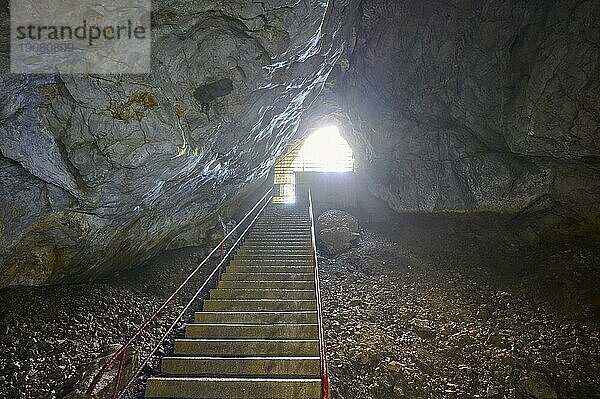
(322, 346)
(122, 352)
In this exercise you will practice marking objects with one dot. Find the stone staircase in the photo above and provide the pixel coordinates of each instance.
(257, 336)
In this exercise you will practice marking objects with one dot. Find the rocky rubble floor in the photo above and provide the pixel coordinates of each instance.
(50, 335)
(426, 310)
(407, 319)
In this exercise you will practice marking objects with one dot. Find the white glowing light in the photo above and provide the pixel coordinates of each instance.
(325, 151)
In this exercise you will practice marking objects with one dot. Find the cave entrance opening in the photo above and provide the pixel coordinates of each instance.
(325, 153)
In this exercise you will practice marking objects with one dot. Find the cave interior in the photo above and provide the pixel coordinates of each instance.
(452, 153)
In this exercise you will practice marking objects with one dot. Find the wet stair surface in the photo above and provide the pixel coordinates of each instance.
(257, 336)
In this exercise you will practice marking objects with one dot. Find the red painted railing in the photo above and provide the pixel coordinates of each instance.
(121, 354)
(322, 346)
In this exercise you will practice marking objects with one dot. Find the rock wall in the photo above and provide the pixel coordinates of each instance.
(99, 173)
(449, 106)
(477, 105)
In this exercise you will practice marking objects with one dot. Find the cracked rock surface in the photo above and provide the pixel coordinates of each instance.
(98, 173)
(478, 105)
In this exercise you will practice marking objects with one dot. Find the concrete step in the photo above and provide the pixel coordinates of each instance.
(283, 231)
(303, 213)
(289, 265)
(275, 255)
(302, 317)
(258, 305)
(222, 293)
(283, 223)
(287, 214)
(256, 254)
(293, 215)
(305, 244)
(298, 248)
(276, 249)
(247, 347)
(230, 276)
(283, 220)
(280, 240)
(263, 331)
(251, 268)
(291, 225)
(258, 366)
(233, 388)
(279, 244)
(283, 256)
(282, 234)
(290, 257)
(282, 226)
(271, 262)
(286, 266)
(256, 268)
(292, 285)
(280, 230)
(283, 239)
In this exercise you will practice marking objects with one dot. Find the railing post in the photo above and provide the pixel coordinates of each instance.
(221, 256)
(123, 357)
(322, 345)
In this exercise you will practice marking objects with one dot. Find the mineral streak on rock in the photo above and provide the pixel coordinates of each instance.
(133, 107)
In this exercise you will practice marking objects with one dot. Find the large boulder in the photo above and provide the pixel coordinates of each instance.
(337, 230)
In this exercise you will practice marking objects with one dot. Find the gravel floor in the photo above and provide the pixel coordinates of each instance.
(50, 335)
(406, 318)
(427, 309)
